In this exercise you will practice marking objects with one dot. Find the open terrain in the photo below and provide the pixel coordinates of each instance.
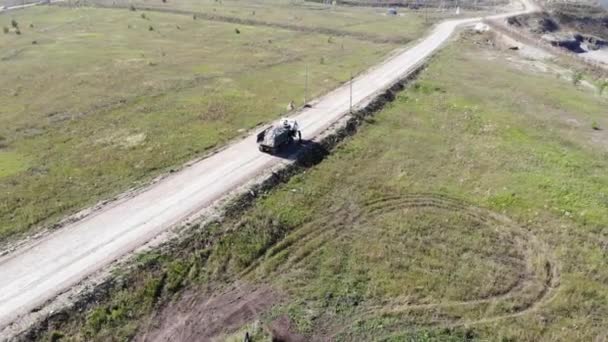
(96, 101)
(44, 267)
(365, 22)
(456, 213)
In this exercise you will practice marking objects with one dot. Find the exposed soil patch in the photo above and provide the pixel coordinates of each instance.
(282, 331)
(202, 318)
(578, 29)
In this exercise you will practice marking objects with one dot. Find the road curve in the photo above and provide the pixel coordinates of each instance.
(34, 274)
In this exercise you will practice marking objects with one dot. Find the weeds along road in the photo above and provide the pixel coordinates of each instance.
(36, 273)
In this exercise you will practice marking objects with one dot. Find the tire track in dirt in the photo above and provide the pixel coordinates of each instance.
(536, 282)
(542, 278)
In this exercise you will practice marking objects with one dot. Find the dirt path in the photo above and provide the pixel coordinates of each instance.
(39, 271)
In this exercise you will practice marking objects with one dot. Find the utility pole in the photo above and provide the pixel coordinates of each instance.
(306, 87)
(351, 93)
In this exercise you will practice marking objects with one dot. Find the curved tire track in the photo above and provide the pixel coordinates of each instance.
(536, 283)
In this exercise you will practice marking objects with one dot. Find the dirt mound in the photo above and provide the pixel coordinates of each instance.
(579, 29)
(203, 318)
(586, 21)
(537, 23)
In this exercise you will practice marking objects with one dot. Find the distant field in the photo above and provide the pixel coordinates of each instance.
(363, 22)
(97, 100)
(473, 207)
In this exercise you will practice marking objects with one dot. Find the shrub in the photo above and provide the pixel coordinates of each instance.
(5, 29)
(143, 16)
(56, 336)
(18, 32)
(31, 25)
(34, 42)
(194, 16)
(602, 86)
(95, 320)
(176, 274)
(14, 23)
(151, 28)
(132, 8)
(595, 126)
(153, 289)
(577, 77)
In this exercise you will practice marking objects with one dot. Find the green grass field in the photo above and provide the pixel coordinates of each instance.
(96, 101)
(363, 22)
(472, 207)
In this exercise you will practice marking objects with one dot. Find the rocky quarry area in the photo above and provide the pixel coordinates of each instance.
(579, 28)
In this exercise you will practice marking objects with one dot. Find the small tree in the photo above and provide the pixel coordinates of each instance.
(5, 29)
(577, 77)
(150, 28)
(18, 31)
(132, 8)
(602, 86)
(143, 16)
(14, 24)
(595, 126)
(194, 16)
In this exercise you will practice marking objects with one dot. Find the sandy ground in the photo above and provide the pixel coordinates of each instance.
(224, 312)
(600, 56)
(40, 270)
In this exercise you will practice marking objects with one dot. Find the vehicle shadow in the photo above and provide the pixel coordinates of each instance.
(304, 152)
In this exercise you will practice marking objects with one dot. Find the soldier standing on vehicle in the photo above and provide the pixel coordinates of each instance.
(293, 127)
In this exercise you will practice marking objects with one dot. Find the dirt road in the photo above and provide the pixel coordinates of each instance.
(38, 272)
